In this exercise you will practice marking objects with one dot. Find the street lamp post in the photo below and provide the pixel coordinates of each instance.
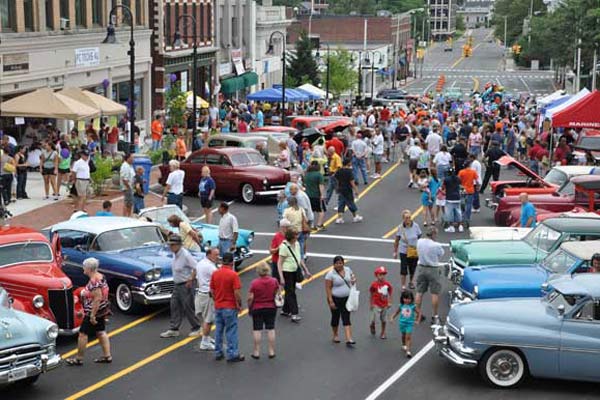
(271, 51)
(359, 73)
(111, 38)
(372, 53)
(177, 43)
(327, 74)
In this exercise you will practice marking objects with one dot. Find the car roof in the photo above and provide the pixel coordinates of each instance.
(225, 150)
(582, 250)
(242, 137)
(578, 284)
(573, 170)
(98, 225)
(573, 224)
(15, 234)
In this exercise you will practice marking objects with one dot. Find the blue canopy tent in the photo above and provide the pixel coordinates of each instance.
(274, 95)
(292, 95)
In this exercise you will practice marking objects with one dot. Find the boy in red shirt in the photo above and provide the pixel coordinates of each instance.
(380, 294)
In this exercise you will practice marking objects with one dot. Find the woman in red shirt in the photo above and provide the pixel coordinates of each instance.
(261, 303)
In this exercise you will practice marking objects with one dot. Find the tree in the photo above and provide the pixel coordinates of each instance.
(460, 24)
(342, 75)
(302, 67)
(176, 104)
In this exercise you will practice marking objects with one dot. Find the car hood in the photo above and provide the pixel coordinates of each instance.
(487, 252)
(540, 201)
(18, 328)
(520, 280)
(268, 171)
(210, 232)
(146, 258)
(37, 275)
(510, 161)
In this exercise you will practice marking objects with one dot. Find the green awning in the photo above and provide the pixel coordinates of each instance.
(232, 85)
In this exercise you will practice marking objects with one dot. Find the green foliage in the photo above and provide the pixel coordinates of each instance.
(460, 25)
(302, 66)
(341, 71)
(155, 156)
(104, 166)
(176, 105)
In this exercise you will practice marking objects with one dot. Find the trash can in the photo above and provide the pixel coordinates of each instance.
(142, 160)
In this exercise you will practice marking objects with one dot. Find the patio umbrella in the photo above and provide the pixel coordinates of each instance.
(313, 89)
(45, 103)
(94, 100)
(200, 102)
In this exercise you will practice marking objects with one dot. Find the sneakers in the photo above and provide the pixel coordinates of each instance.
(410, 185)
(476, 210)
(285, 314)
(207, 346)
(339, 221)
(460, 228)
(296, 318)
(450, 229)
(358, 218)
(169, 334)
(195, 332)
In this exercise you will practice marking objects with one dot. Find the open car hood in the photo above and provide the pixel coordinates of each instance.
(508, 160)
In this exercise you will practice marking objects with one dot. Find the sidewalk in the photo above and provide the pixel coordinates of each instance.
(38, 213)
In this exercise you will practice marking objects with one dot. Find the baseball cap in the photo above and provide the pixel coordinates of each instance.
(380, 270)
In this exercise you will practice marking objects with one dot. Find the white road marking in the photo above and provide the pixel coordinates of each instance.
(398, 374)
(347, 257)
(318, 235)
(214, 210)
(525, 83)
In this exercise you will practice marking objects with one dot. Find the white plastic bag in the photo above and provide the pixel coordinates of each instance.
(353, 301)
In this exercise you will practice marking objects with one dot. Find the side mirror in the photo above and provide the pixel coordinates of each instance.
(545, 287)
(561, 310)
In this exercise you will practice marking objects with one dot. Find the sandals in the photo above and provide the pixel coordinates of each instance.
(103, 360)
(255, 357)
(74, 362)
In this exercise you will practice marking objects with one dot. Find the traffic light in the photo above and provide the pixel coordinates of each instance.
(518, 49)
(467, 51)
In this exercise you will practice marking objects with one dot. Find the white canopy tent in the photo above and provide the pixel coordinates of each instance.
(551, 97)
(307, 87)
(574, 99)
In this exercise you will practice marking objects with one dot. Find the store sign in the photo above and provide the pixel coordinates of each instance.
(224, 69)
(14, 64)
(238, 61)
(87, 57)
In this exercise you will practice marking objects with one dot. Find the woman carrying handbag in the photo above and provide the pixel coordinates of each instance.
(405, 245)
(290, 267)
(338, 284)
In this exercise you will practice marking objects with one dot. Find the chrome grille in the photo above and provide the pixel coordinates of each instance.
(61, 305)
(166, 287)
(17, 356)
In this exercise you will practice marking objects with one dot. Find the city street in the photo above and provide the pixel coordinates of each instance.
(472, 73)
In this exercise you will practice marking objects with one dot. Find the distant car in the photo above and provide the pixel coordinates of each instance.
(524, 280)
(247, 140)
(237, 172)
(31, 272)
(557, 336)
(210, 233)
(28, 344)
(133, 255)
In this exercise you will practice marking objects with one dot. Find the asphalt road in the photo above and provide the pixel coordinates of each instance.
(472, 73)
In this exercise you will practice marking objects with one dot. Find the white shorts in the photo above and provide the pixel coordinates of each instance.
(205, 307)
(440, 202)
(111, 148)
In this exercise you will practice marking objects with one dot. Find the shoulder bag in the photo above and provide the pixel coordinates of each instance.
(411, 251)
(305, 224)
(353, 297)
(299, 274)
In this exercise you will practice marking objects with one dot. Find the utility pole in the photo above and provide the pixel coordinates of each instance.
(396, 46)
(578, 77)
(594, 67)
(505, 44)
(529, 24)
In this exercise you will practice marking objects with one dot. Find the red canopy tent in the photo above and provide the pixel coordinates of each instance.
(583, 114)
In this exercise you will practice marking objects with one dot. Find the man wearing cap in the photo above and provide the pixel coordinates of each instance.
(81, 176)
(430, 273)
(182, 299)
(228, 230)
(204, 304)
(284, 225)
(225, 287)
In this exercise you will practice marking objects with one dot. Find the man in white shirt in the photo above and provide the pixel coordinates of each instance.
(204, 304)
(360, 150)
(174, 187)
(126, 176)
(228, 230)
(81, 177)
(476, 165)
(434, 141)
(377, 144)
(371, 120)
(430, 277)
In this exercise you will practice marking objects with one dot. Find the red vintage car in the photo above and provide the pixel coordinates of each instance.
(277, 129)
(237, 171)
(557, 179)
(30, 271)
(586, 196)
(305, 122)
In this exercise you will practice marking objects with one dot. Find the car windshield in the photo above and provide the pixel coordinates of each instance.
(26, 252)
(247, 159)
(129, 238)
(542, 238)
(567, 189)
(161, 214)
(556, 177)
(556, 299)
(559, 262)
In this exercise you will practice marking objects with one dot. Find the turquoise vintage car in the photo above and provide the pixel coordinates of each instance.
(535, 246)
(27, 344)
(210, 233)
(557, 336)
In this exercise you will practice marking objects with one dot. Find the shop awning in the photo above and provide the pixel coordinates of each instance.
(45, 103)
(582, 114)
(94, 100)
(232, 85)
(200, 102)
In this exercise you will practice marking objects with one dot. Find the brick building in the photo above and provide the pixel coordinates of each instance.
(442, 18)
(171, 63)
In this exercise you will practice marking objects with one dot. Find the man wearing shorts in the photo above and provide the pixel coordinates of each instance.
(204, 304)
(430, 273)
(127, 175)
(81, 172)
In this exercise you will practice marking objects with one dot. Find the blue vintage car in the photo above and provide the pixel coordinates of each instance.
(524, 280)
(210, 233)
(557, 336)
(133, 256)
(27, 344)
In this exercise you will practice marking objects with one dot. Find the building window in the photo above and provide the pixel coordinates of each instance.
(198, 32)
(208, 23)
(121, 95)
(64, 9)
(80, 13)
(167, 24)
(8, 15)
(139, 12)
(125, 18)
(97, 14)
(28, 15)
(49, 15)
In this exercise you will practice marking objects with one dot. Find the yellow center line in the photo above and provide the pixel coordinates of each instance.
(413, 216)
(165, 351)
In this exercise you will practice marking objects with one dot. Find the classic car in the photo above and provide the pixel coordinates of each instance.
(236, 171)
(275, 129)
(273, 139)
(28, 345)
(242, 140)
(210, 233)
(133, 257)
(30, 271)
(305, 122)
(524, 280)
(546, 237)
(557, 336)
(497, 232)
(566, 199)
(556, 180)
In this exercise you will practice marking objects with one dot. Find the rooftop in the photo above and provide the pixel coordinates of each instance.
(578, 284)
(574, 224)
(582, 250)
(97, 225)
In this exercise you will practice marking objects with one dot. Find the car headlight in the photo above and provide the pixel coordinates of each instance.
(251, 238)
(476, 291)
(38, 301)
(149, 275)
(265, 181)
(52, 331)
(157, 273)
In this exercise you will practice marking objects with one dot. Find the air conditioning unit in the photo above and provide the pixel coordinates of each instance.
(65, 24)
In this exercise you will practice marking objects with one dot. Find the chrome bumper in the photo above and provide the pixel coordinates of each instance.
(68, 332)
(455, 272)
(269, 193)
(45, 363)
(157, 292)
(444, 349)
(460, 296)
(491, 203)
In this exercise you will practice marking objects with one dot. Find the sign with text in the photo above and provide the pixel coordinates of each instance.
(14, 64)
(238, 61)
(87, 57)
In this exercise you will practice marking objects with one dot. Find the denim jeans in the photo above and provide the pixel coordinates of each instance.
(468, 206)
(226, 323)
(156, 144)
(138, 204)
(453, 212)
(301, 240)
(176, 199)
(345, 200)
(359, 164)
(476, 202)
(331, 187)
(6, 180)
(442, 171)
(224, 246)
(21, 183)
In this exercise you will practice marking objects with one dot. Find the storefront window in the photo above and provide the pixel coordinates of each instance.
(28, 14)
(126, 20)
(80, 19)
(121, 95)
(8, 15)
(49, 15)
(64, 9)
(97, 8)
(139, 12)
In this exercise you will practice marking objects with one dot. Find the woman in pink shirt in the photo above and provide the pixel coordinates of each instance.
(475, 140)
(261, 303)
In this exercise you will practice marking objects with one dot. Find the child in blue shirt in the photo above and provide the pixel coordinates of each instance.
(407, 312)
(282, 204)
